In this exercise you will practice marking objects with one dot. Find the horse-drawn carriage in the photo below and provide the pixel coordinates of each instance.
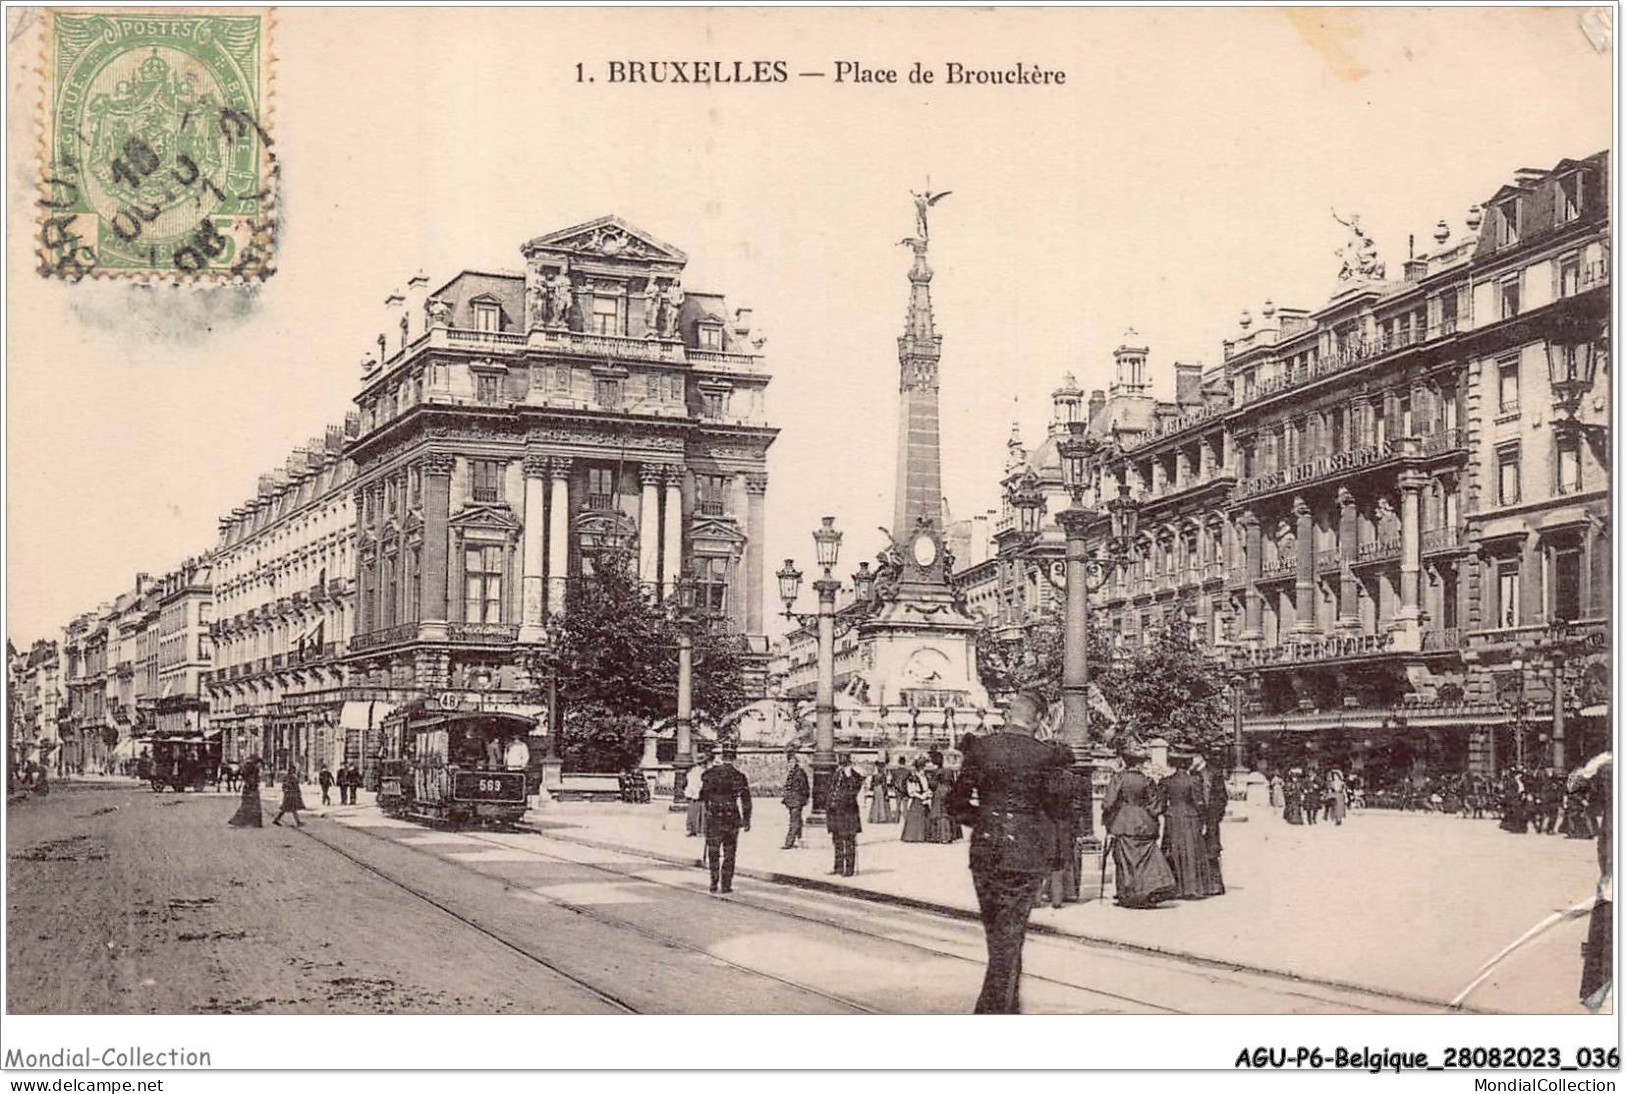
(455, 767)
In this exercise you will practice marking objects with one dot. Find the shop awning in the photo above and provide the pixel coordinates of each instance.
(358, 714)
(1595, 710)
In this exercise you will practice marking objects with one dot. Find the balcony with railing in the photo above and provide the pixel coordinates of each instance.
(1329, 559)
(1352, 353)
(602, 503)
(482, 632)
(1442, 441)
(1212, 570)
(1285, 566)
(1435, 540)
(1377, 550)
(388, 636)
(1443, 639)
(1322, 649)
(712, 507)
(1324, 467)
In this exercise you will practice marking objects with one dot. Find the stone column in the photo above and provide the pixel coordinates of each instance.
(558, 534)
(1305, 622)
(755, 548)
(1410, 546)
(1348, 533)
(1255, 570)
(436, 512)
(533, 606)
(671, 537)
(649, 525)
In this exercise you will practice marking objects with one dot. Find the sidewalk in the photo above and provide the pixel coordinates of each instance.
(1406, 905)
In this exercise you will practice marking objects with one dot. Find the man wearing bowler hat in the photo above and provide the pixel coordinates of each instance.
(797, 792)
(1020, 800)
(725, 793)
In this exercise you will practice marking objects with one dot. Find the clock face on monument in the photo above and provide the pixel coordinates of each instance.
(924, 551)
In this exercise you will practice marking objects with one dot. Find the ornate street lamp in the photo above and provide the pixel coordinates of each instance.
(687, 589)
(1573, 352)
(1556, 644)
(1083, 573)
(1240, 662)
(827, 545)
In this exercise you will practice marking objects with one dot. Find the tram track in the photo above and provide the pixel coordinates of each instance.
(826, 923)
(586, 912)
(1279, 984)
(608, 998)
(1288, 986)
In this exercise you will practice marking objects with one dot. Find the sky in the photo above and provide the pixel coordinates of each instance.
(1187, 169)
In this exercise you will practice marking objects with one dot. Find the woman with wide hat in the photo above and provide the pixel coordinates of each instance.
(1130, 810)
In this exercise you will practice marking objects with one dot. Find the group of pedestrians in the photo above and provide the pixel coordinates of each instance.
(1542, 800)
(250, 812)
(1165, 835)
(1307, 797)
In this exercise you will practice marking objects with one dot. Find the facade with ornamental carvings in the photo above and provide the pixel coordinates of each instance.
(283, 576)
(1382, 504)
(516, 429)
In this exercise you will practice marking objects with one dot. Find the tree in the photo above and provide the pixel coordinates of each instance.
(1170, 689)
(1173, 689)
(616, 657)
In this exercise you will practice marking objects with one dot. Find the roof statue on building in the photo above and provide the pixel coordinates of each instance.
(1359, 254)
(922, 207)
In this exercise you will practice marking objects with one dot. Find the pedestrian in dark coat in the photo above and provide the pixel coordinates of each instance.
(293, 799)
(725, 793)
(1011, 791)
(1064, 882)
(1182, 841)
(1130, 810)
(325, 781)
(842, 815)
(248, 813)
(1217, 800)
(797, 793)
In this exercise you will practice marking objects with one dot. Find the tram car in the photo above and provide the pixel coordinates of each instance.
(179, 763)
(455, 767)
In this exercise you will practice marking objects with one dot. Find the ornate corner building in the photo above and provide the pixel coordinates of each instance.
(1383, 504)
(514, 428)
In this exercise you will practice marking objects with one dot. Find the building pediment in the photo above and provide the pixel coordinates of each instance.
(486, 516)
(719, 530)
(607, 237)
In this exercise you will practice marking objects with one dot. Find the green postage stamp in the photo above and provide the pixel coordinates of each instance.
(157, 159)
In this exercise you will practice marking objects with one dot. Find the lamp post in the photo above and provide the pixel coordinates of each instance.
(827, 544)
(1556, 643)
(1083, 574)
(686, 590)
(1239, 662)
(1518, 714)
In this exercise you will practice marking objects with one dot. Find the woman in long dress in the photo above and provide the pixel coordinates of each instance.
(1277, 791)
(1182, 841)
(1337, 797)
(248, 813)
(1130, 810)
(1294, 791)
(880, 810)
(917, 806)
(939, 826)
(293, 799)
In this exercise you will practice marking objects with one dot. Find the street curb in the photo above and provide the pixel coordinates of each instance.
(796, 881)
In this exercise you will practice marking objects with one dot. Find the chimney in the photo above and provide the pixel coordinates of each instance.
(417, 299)
(1187, 383)
(1525, 176)
(352, 423)
(335, 438)
(267, 485)
(142, 579)
(1097, 402)
(295, 464)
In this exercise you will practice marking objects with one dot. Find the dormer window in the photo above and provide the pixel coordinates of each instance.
(710, 333)
(1569, 194)
(1509, 221)
(487, 316)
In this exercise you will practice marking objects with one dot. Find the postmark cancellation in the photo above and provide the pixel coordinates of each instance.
(157, 159)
